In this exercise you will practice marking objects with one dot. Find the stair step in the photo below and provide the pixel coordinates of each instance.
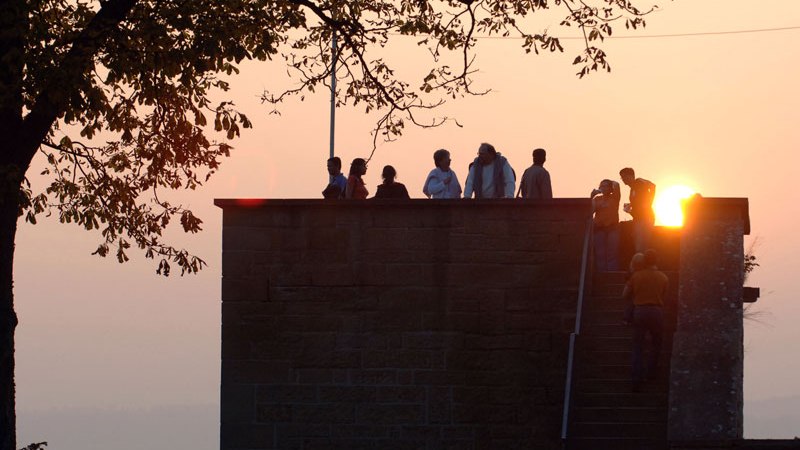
(641, 399)
(614, 371)
(603, 371)
(616, 444)
(619, 430)
(606, 343)
(616, 385)
(618, 414)
(606, 303)
(603, 315)
(619, 277)
(594, 328)
(612, 357)
(608, 290)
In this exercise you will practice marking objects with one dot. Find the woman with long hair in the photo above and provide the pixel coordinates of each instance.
(356, 188)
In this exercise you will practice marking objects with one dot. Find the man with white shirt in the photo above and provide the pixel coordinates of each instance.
(442, 181)
(490, 175)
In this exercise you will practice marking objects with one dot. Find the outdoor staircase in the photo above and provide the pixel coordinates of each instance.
(605, 414)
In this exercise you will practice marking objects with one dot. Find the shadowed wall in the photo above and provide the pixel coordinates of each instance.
(417, 324)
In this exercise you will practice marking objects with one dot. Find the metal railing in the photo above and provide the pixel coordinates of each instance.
(572, 337)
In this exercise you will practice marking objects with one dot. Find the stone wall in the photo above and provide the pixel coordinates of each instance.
(416, 324)
(706, 397)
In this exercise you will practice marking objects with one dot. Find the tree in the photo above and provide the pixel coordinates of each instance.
(115, 96)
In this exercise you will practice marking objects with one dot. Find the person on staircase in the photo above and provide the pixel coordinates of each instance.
(605, 203)
(640, 207)
(646, 288)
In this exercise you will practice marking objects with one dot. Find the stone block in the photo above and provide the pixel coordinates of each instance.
(440, 400)
(318, 376)
(360, 431)
(268, 413)
(306, 430)
(237, 403)
(390, 414)
(458, 432)
(454, 322)
(470, 413)
(255, 372)
(240, 289)
(373, 377)
(431, 340)
(334, 240)
(399, 359)
(347, 394)
(358, 341)
(439, 377)
(494, 342)
(238, 264)
(316, 324)
(285, 274)
(247, 436)
(401, 394)
(392, 321)
(409, 296)
(313, 357)
(340, 274)
(421, 432)
(287, 394)
(323, 413)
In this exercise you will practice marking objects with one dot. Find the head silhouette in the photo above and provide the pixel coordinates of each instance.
(539, 156)
(334, 165)
(358, 167)
(486, 153)
(637, 262)
(388, 174)
(441, 158)
(627, 175)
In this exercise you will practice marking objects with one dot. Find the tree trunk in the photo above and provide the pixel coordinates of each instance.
(8, 318)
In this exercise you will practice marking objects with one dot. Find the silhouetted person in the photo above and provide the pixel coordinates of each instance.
(605, 204)
(338, 183)
(391, 188)
(442, 182)
(490, 176)
(647, 288)
(356, 189)
(535, 183)
(640, 207)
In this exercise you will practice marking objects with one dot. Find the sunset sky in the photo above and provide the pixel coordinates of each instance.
(113, 356)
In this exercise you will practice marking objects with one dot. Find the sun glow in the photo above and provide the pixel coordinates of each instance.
(668, 205)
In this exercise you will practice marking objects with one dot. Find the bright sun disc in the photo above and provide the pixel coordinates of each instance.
(668, 207)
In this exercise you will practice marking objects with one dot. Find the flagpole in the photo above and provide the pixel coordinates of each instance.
(334, 57)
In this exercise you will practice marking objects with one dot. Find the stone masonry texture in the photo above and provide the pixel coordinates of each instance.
(706, 397)
(419, 324)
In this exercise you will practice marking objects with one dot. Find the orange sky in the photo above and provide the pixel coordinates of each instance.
(715, 113)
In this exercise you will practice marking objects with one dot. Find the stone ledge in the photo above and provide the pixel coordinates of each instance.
(416, 202)
(740, 444)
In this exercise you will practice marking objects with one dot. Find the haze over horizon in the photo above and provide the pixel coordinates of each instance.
(115, 356)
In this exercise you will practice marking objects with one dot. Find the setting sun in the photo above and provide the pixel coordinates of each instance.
(667, 205)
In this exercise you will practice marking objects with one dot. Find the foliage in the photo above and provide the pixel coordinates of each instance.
(35, 446)
(750, 262)
(117, 94)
